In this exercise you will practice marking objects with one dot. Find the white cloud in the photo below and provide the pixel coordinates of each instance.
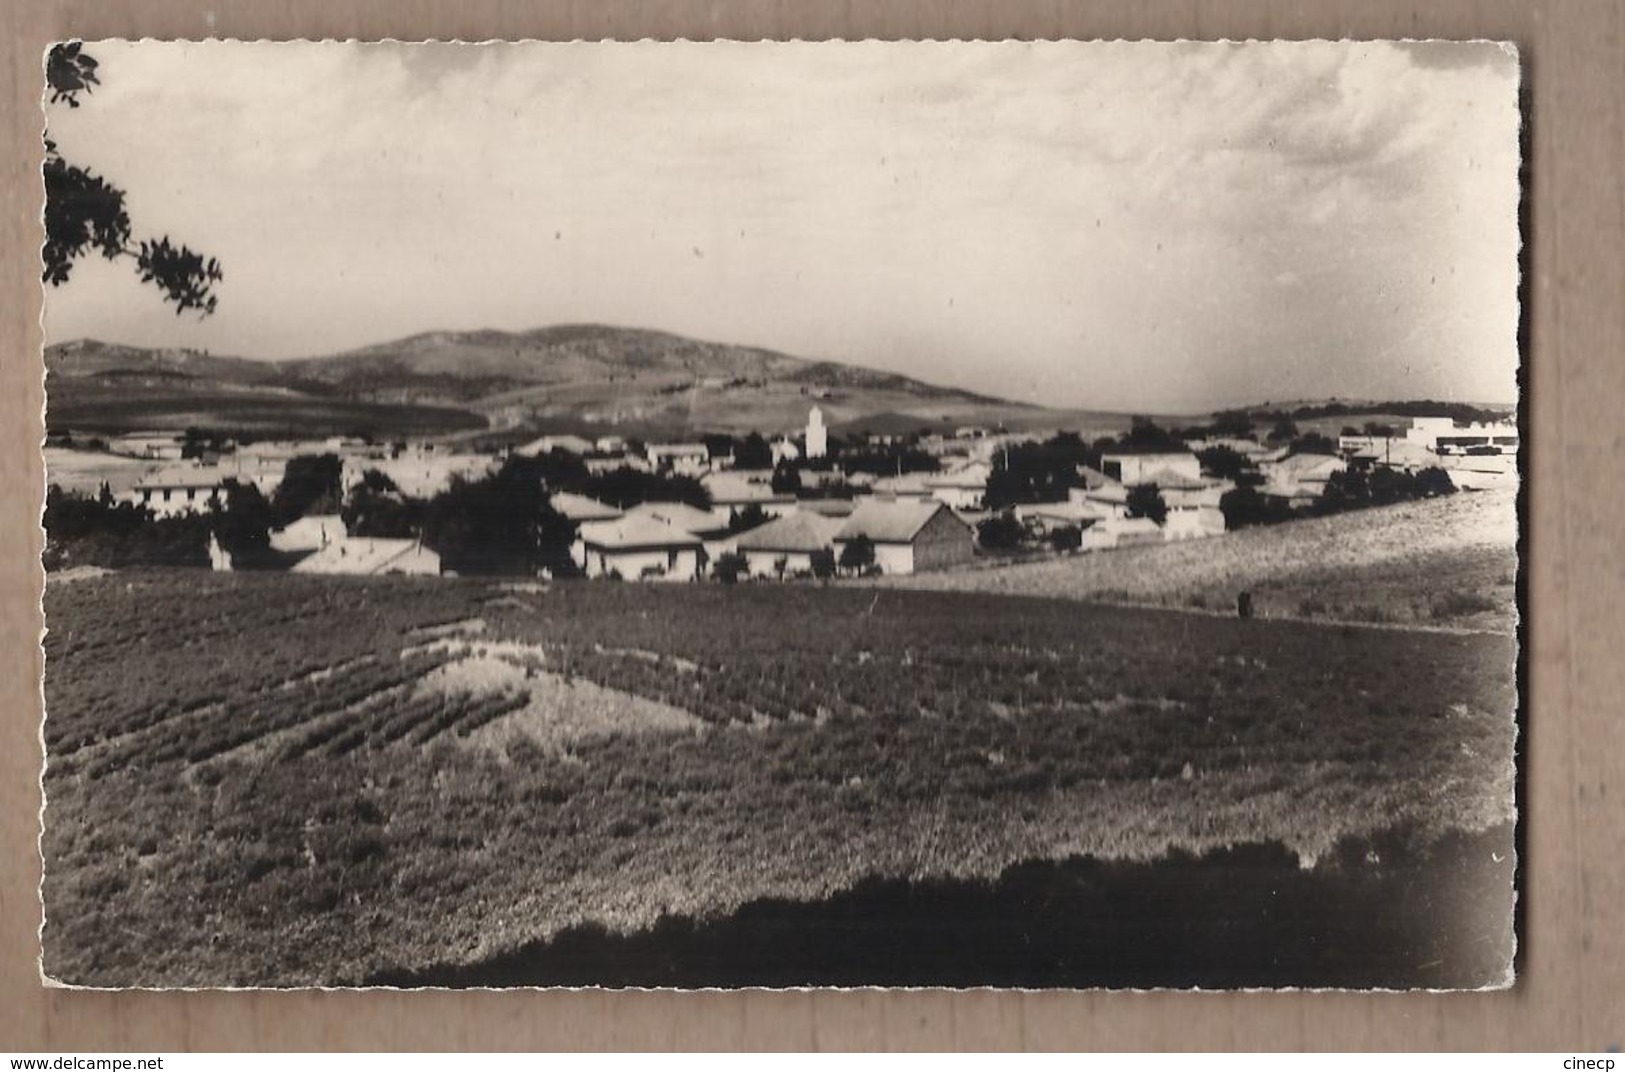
(1103, 223)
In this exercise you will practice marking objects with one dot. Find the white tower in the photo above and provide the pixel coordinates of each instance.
(817, 435)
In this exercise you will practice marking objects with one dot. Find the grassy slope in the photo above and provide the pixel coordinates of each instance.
(78, 407)
(917, 734)
(1450, 561)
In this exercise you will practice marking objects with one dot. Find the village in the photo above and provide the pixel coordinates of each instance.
(802, 504)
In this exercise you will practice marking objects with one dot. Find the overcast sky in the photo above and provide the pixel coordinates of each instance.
(1147, 227)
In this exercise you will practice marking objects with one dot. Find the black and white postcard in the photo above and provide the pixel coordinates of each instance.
(948, 514)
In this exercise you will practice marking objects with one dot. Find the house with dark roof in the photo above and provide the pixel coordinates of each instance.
(909, 536)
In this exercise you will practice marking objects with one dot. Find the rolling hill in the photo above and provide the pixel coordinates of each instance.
(560, 378)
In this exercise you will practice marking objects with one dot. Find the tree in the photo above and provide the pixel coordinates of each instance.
(718, 445)
(1434, 481)
(311, 484)
(822, 562)
(858, 556)
(893, 459)
(1144, 434)
(729, 567)
(747, 517)
(1145, 500)
(626, 487)
(85, 214)
(786, 479)
(1233, 423)
(1038, 472)
(1247, 506)
(1346, 490)
(196, 443)
(1224, 463)
(242, 522)
(85, 531)
(1284, 431)
(376, 507)
(502, 523)
(1066, 538)
(753, 452)
(1314, 443)
(1001, 532)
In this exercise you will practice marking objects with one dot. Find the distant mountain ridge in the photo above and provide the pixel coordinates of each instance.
(570, 375)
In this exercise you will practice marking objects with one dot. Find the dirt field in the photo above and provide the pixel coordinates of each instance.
(1450, 562)
(405, 773)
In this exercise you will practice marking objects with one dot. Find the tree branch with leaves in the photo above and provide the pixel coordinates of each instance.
(86, 214)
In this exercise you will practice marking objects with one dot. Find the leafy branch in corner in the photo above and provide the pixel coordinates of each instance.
(85, 213)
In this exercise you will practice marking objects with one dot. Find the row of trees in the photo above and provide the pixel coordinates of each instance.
(503, 522)
(1352, 489)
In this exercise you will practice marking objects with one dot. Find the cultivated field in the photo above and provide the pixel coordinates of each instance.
(1449, 562)
(273, 779)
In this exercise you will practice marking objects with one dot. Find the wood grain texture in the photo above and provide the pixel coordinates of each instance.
(1571, 993)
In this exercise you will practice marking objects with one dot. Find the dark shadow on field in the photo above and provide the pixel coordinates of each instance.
(1381, 912)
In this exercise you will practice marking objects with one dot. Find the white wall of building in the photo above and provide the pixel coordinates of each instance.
(680, 565)
(1137, 468)
(817, 434)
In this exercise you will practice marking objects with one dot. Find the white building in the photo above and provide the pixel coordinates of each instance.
(1118, 532)
(785, 547)
(639, 547)
(179, 489)
(909, 536)
(582, 508)
(1131, 469)
(157, 446)
(1045, 518)
(684, 459)
(1300, 478)
(908, 486)
(419, 474)
(733, 491)
(310, 533)
(547, 444)
(963, 487)
(367, 556)
(817, 434)
(1442, 435)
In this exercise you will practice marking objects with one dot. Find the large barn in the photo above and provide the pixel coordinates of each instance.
(909, 536)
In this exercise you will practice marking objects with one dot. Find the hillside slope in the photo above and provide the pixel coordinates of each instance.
(568, 377)
(1448, 562)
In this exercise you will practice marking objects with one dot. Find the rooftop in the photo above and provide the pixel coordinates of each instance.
(896, 521)
(580, 508)
(798, 532)
(361, 555)
(185, 476)
(635, 533)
